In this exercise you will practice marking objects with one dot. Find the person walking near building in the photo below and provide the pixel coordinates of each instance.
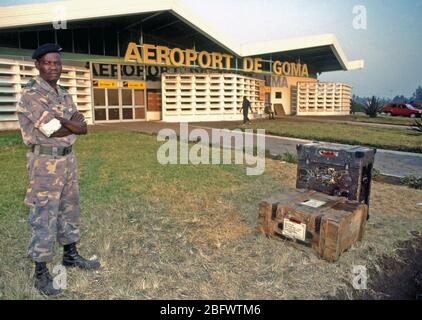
(49, 123)
(246, 105)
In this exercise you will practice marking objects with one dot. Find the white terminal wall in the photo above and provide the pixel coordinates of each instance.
(15, 74)
(209, 97)
(323, 98)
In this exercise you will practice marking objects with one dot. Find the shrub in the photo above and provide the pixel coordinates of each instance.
(412, 182)
(286, 157)
(375, 173)
(417, 126)
(373, 107)
(289, 157)
(357, 107)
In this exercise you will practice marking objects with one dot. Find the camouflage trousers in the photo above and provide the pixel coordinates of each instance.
(53, 198)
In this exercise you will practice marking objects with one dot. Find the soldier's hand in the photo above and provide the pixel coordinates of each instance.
(77, 116)
(73, 122)
(61, 119)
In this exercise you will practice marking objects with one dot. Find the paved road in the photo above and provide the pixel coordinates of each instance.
(394, 163)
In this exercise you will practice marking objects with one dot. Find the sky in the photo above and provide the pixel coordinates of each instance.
(391, 44)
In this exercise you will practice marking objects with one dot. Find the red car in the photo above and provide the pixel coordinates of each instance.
(402, 109)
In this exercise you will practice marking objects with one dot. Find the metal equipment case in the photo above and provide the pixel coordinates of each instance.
(336, 170)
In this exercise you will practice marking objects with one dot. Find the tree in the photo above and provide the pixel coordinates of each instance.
(373, 107)
(400, 99)
(417, 95)
(356, 107)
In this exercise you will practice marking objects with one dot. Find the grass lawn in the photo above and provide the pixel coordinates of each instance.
(361, 117)
(404, 121)
(385, 138)
(184, 231)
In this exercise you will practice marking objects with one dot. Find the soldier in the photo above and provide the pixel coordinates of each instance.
(49, 121)
(246, 105)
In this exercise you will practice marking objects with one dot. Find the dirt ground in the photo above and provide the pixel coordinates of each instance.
(395, 278)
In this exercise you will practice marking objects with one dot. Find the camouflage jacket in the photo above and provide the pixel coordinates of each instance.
(39, 104)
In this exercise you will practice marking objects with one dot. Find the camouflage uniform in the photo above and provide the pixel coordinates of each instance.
(53, 193)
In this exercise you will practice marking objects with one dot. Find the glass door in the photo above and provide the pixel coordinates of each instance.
(117, 96)
(100, 105)
(139, 103)
(127, 104)
(113, 105)
(119, 104)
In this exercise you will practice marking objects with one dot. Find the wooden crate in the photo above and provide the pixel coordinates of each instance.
(328, 224)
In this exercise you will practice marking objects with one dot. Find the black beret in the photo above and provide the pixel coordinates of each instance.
(45, 48)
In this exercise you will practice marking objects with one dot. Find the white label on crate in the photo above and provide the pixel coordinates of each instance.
(313, 203)
(294, 230)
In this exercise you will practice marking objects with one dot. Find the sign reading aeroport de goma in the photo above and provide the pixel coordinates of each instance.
(161, 55)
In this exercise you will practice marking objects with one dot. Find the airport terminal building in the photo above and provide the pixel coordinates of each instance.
(131, 60)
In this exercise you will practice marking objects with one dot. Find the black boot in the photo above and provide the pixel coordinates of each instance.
(71, 258)
(44, 281)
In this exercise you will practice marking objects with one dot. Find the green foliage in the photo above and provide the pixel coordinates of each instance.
(375, 173)
(373, 107)
(417, 126)
(363, 100)
(357, 107)
(286, 157)
(400, 99)
(289, 157)
(412, 182)
(417, 95)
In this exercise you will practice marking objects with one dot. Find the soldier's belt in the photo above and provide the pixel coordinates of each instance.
(51, 151)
